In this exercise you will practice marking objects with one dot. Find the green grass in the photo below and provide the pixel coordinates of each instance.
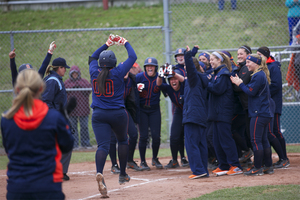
(265, 192)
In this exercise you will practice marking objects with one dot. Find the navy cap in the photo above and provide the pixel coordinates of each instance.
(60, 62)
(25, 66)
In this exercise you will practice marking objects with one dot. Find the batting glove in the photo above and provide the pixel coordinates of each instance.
(161, 72)
(110, 41)
(120, 40)
(140, 87)
(52, 47)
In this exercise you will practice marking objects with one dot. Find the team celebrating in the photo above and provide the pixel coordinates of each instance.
(223, 114)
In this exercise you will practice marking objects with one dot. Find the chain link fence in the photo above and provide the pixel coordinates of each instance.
(76, 46)
(211, 24)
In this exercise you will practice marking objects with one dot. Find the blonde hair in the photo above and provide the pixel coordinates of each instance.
(54, 68)
(262, 67)
(29, 85)
(226, 60)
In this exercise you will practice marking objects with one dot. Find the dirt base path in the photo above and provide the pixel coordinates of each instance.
(161, 183)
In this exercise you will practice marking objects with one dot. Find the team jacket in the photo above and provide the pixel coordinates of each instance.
(55, 92)
(150, 95)
(194, 108)
(276, 83)
(34, 146)
(220, 104)
(115, 85)
(14, 72)
(83, 106)
(260, 102)
(132, 98)
(244, 74)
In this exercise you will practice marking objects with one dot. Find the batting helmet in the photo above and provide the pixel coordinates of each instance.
(179, 51)
(107, 59)
(177, 71)
(151, 61)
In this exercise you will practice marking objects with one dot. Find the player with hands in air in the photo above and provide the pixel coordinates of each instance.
(175, 90)
(13, 67)
(109, 112)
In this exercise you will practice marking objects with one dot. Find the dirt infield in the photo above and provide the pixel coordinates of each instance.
(161, 183)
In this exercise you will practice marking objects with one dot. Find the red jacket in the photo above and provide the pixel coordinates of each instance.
(83, 105)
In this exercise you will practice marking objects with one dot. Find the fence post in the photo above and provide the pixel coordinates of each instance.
(12, 46)
(168, 52)
(105, 4)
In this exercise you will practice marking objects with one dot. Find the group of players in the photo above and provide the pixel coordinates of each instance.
(223, 113)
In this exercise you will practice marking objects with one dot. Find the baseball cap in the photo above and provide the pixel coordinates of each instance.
(25, 66)
(60, 62)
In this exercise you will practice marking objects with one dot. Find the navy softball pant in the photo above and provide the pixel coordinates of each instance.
(196, 148)
(103, 123)
(259, 140)
(149, 118)
(133, 136)
(177, 134)
(225, 147)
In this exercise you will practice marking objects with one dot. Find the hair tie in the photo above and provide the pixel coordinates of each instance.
(218, 55)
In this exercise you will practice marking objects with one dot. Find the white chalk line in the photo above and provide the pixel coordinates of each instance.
(130, 186)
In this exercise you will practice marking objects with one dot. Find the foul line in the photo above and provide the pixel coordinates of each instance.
(139, 184)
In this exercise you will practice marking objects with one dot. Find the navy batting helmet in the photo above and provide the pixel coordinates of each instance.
(177, 71)
(107, 59)
(179, 51)
(150, 61)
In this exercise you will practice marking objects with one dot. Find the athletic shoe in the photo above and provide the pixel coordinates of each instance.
(184, 162)
(247, 163)
(156, 163)
(172, 164)
(282, 164)
(101, 185)
(234, 171)
(246, 155)
(123, 179)
(144, 166)
(133, 165)
(219, 172)
(254, 172)
(115, 169)
(197, 176)
(268, 170)
(66, 177)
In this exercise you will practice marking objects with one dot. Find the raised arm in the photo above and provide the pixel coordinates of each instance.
(47, 59)
(13, 66)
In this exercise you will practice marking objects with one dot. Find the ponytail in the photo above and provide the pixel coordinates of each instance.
(101, 78)
(29, 85)
(54, 68)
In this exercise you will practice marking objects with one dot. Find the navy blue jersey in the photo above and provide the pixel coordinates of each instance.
(259, 97)
(114, 92)
(175, 96)
(150, 94)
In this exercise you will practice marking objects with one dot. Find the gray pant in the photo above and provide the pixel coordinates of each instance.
(65, 161)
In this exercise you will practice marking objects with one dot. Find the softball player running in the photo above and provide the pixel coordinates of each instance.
(109, 112)
(261, 110)
(149, 111)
